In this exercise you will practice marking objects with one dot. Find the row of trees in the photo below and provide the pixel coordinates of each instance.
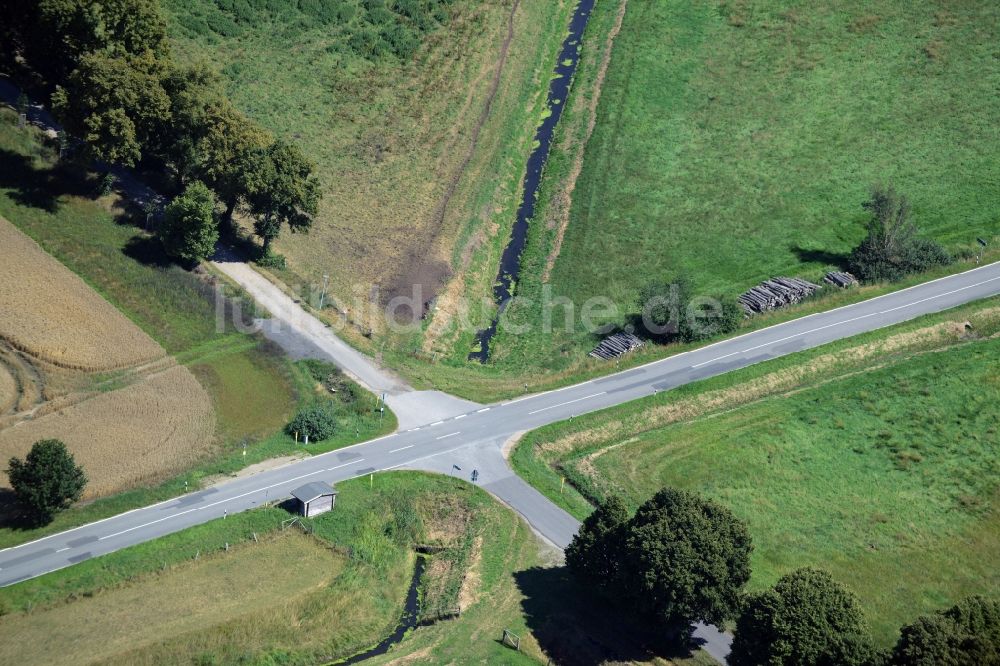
(116, 87)
(681, 558)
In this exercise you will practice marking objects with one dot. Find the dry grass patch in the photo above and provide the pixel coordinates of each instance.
(227, 588)
(52, 314)
(126, 437)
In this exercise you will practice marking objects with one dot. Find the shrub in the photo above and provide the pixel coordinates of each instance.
(891, 248)
(317, 422)
(673, 310)
(190, 229)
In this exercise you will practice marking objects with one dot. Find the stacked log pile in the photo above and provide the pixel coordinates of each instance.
(776, 293)
(616, 345)
(840, 279)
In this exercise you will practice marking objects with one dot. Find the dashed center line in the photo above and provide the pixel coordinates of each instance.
(568, 402)
(437, 423)
(402, 448)
(461, 416)
(63, 550)
(447, 436)
(484, 409)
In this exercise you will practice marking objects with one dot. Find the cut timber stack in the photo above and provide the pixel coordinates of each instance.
(840, 279)
(775, 293)
(616, 345)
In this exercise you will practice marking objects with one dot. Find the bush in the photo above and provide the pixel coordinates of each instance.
(891, 248)
(673, 310)
(317, 422)
(190, 229)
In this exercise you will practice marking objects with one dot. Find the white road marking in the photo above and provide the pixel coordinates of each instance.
(437, 423)
(386, 469)
(447, 436)
(461, 416)
(353, 462)
(847, 321)
(63, 550)
(568, 402)
(402, 448)
(413, 429)
(484, 409)
(223, 501)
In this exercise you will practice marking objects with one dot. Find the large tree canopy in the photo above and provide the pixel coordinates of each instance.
(680, 558)
(967, 634)
(115, 104)
(59, 33)
(807, 619)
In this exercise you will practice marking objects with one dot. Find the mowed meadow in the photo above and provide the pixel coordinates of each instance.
(735, 141)
(875, 458)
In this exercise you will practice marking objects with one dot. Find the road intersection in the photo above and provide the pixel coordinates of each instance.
(473, 438)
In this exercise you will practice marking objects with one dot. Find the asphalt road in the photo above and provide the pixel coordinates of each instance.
(472, 439)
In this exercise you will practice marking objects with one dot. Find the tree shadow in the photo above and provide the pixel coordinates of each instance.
(838, 259)
(148, 251)
(577, 628)
(13, 515)
(37, 187)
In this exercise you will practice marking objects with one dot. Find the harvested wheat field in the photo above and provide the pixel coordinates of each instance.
(72, 367)
(50, 313)
(127, 437)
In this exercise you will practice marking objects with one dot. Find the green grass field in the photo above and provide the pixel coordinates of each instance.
(390, 131)
(875, 458)
(736, 141)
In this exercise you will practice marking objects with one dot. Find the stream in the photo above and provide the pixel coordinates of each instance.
(409, 619)
(510, 261)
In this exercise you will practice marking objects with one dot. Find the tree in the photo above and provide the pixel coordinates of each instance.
(190, 230)
(47, 480)
(891, 248)
(59, 33)
(685, 559)
(114, 104)
(967, 634)
(807, 619)
(317, 422)
(281, 191)
(227, 154)
(594, 554)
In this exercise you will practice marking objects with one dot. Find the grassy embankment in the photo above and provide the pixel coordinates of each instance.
(875, 458)
(254, 388)
(735, 143)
